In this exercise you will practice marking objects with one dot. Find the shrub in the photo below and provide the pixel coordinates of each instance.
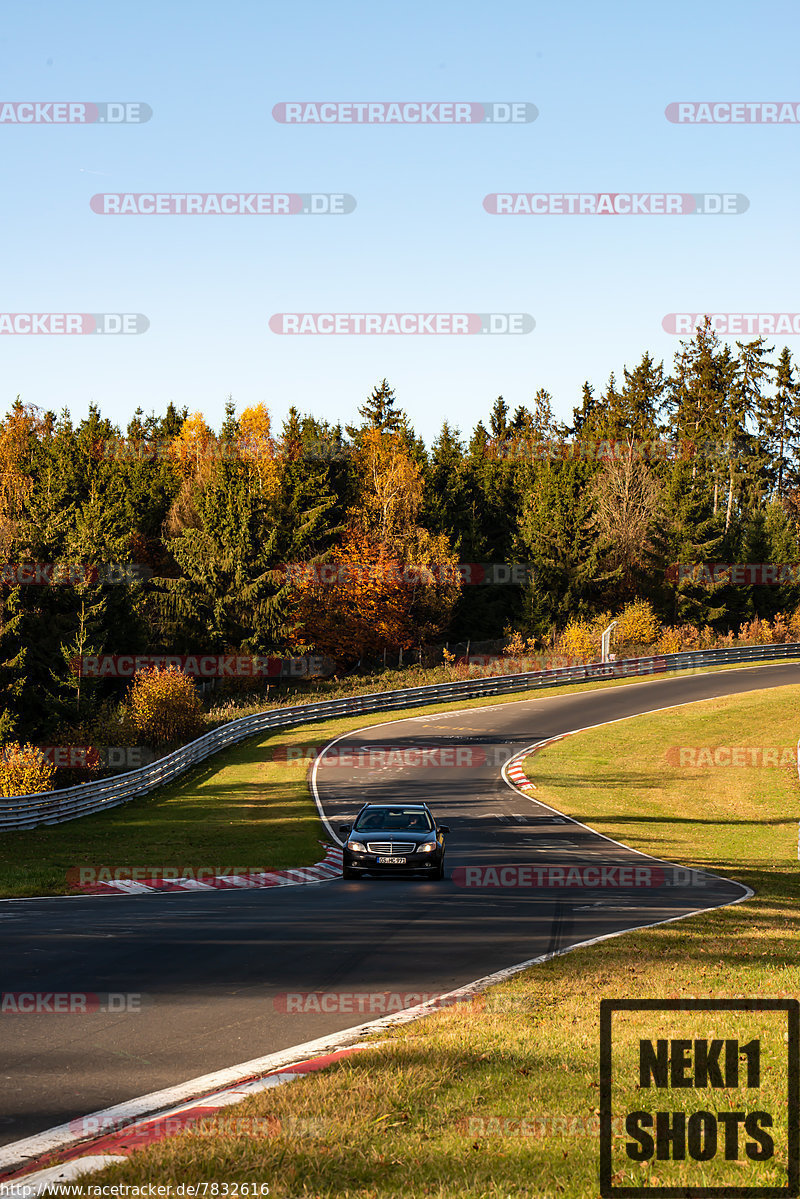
(670, 641)
(756, 631)
(577, 641)
(165, 706)
(637, 624)
(794, 626)
(692, 636)
(780, 628)
(516, 645)
(24, 770)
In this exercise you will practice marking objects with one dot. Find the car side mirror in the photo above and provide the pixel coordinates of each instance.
(444, 828)
(344, 829)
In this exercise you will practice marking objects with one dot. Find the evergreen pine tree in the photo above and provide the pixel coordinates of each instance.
(380, 411)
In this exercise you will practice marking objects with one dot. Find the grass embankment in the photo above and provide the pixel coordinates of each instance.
(501, 1099)
(241, 809)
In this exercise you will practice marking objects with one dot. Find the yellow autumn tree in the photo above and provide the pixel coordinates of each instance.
(24, 770)
(391, 487)
(193, 448)
(637, 625)
(257, 446)
(255, 432)
(165, 707)
(577, 641)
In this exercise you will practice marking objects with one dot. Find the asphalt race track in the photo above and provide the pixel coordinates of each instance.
(213, 969)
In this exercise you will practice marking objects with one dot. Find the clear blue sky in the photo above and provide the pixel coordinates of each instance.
(419, 240)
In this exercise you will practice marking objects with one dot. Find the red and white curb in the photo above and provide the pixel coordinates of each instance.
(329, 867)
(101, 1139)
(517, 775)
(513, 771)
(92, 1142)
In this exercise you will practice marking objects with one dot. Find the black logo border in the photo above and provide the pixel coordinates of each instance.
(792, 1009)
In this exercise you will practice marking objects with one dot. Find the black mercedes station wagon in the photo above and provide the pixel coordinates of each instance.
(393, 839)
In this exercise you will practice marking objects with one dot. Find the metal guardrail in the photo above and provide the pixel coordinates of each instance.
(56, 807)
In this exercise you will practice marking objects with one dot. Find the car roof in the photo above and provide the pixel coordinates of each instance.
(422, 807)
(388, 807)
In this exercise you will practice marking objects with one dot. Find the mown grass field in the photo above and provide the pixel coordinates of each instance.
(241, 809)
(501, 1098)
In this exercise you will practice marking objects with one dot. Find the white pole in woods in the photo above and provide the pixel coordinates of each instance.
(605, 643)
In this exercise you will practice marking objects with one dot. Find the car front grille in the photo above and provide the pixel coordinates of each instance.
(391, 847)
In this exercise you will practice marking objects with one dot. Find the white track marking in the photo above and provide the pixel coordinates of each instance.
(33, 1185)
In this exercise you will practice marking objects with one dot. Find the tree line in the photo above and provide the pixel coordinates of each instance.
(693, 463)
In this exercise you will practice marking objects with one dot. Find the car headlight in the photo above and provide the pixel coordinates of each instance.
(357, 846)
(427, 847)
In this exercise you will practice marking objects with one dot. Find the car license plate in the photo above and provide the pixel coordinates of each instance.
(391, 861)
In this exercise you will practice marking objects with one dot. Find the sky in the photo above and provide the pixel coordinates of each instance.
(419, 239)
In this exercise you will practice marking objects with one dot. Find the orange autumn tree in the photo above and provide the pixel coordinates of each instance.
(354, 603)
(193, 451)
(390, 585)
(22, 427)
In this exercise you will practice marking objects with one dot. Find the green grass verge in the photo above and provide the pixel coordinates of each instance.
(239, 809)
(501, 1099)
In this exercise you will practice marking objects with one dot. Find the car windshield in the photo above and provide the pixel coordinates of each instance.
(407, 820)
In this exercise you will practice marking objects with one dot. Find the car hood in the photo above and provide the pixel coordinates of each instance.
(383, 834)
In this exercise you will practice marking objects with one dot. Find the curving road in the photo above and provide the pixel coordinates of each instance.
(213, 970)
